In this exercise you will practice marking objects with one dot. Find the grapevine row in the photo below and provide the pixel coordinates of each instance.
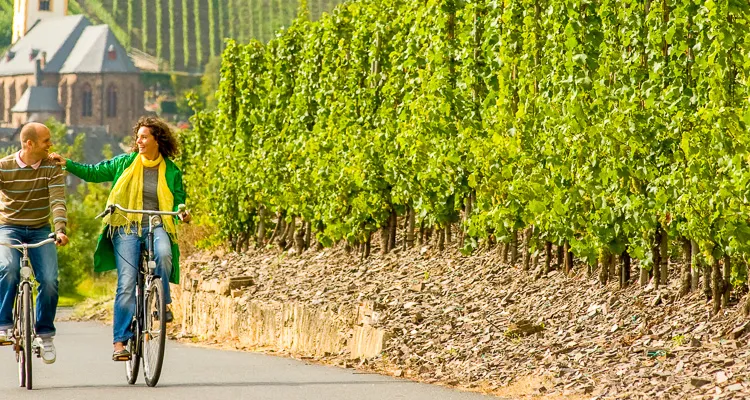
(612, 128)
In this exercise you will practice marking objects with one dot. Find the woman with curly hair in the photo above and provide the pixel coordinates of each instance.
(144, 179)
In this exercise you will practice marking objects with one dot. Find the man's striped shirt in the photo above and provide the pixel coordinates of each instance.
(29, 197)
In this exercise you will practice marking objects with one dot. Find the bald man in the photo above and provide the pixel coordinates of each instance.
(32, 193)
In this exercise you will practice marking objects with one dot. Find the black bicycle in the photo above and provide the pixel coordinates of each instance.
(148, 325)
(24, 336)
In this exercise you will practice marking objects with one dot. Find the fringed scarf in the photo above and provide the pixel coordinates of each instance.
(128, 193)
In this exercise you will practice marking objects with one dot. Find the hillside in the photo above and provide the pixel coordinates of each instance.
(166, 28)
(6, 23)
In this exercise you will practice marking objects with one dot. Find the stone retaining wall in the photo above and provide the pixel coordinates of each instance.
(212, 310)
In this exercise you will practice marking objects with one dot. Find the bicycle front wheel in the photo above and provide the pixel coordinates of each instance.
(18, 339)
(154, 333)
(27, 335)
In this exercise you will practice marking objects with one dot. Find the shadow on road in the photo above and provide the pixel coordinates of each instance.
(227, 384)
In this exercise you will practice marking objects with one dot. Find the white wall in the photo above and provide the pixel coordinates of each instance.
(27, 12)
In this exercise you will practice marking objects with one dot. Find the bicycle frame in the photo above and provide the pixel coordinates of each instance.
(141, 323)
(153, 215)
(25, 350)
(27, 276)
(26, 279)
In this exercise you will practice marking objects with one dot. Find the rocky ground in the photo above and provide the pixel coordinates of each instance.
(476, 323)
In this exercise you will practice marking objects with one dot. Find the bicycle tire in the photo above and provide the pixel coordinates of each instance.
(27, 335)
(154, 336)
(132, 365)
(17, 328)
(135, 344)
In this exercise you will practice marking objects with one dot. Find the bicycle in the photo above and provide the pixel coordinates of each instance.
(148, 326)
(24, 339)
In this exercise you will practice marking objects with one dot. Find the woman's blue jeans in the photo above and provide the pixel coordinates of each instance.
(127, 257)
(43, 262)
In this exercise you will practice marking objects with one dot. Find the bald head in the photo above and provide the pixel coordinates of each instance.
(36, 141)
(32, 131)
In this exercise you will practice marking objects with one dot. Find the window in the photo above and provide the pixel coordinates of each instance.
(44, 5)
(86, 111)
(111, 101)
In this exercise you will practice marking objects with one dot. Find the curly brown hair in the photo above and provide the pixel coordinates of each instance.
(168, 146)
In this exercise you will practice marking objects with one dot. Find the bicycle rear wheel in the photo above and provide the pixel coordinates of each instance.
(135, 344)
(27, 333)
(154, 335)
(131, 366)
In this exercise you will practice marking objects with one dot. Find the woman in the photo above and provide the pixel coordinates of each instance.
(145, 179)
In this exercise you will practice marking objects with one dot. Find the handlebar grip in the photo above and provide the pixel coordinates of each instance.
(106, 211)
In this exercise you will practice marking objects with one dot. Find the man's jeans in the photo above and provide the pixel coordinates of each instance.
(127, 257)
(43, 261)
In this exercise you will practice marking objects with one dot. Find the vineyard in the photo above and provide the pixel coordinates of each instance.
(613, 133)
(186, 33)
(6, 23)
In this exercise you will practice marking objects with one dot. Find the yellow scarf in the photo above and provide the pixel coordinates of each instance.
(128, 192)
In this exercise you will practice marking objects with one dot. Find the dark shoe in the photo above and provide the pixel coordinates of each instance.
(122, 355)
(168, 317)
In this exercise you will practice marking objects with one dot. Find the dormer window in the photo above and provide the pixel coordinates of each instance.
(9, 55)
(44, 5)
(111, 53)
(33, 53)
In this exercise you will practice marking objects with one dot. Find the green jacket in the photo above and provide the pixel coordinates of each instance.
(110, 171)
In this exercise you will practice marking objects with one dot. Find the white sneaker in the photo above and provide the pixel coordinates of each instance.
(47, 348)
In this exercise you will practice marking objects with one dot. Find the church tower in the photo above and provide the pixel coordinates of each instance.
(27, 12)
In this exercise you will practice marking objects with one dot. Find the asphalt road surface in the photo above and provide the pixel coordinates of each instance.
(84, 370)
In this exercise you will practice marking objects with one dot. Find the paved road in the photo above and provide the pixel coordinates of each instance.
(84, 371)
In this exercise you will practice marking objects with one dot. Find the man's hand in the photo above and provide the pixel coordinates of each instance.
(61, 239)
(57, 159)
(185, 217)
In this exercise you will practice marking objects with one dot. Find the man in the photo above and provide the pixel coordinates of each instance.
(32, 188)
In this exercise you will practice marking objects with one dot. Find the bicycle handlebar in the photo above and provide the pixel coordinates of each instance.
(29, 246)
(111, 209)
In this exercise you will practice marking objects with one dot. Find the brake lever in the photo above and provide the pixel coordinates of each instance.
(108, 210)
